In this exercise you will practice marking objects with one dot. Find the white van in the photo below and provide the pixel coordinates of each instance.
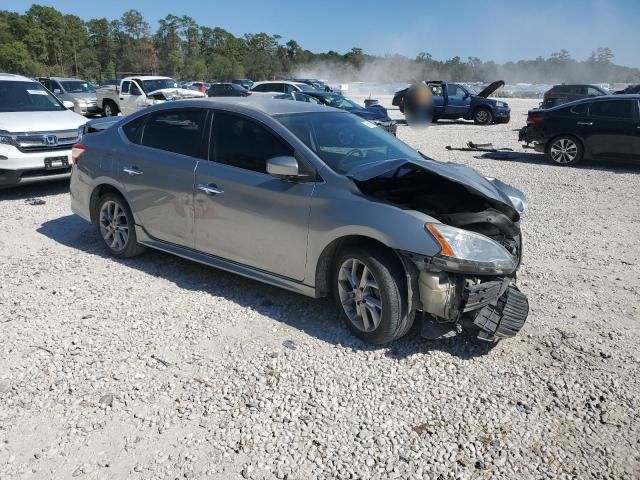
(37, 132)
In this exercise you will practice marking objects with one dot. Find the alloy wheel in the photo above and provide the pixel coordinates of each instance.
(563, 151)
(360, 295)
(114, 226)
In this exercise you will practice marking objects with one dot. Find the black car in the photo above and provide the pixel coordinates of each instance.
(374, 113)
(634, 89)
(227, 90)
(603, 128)
(559, 94)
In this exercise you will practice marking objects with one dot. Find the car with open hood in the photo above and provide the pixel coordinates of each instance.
(315, 200)
(37, 131)
(454, 101)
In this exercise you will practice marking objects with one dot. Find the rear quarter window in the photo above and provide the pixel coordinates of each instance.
(581, 109)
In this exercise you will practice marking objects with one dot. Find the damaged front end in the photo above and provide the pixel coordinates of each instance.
(167, 94)
(471, 282)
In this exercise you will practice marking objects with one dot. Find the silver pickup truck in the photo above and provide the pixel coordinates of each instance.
(135, 93)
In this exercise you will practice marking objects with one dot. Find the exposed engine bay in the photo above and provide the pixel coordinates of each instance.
(451, 300)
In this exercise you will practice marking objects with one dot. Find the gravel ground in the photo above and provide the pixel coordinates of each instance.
(158, 368)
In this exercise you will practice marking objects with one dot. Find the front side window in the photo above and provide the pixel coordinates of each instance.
(178, 131)
(455, 91)
(344, 141)
(26, 97)
(342, 103)
(621, 109)
(242, 143)
(56, 86)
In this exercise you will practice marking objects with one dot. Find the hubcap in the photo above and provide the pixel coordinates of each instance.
(360, 295)
(564, 151)
(113, 226)
(482, 116)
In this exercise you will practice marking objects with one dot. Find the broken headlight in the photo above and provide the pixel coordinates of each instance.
(469, 252)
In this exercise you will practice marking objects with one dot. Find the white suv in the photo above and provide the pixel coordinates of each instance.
(37, 132)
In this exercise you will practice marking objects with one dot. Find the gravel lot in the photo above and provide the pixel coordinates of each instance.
(158, 368)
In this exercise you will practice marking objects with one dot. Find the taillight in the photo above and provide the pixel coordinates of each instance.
(535, 118)
(76, 151)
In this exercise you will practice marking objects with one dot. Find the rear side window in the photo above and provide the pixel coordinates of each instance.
(593, 92)
(261, 88)
(243, 143)
(177, 131)
(622, 109)
(133, 129)
(580, 109)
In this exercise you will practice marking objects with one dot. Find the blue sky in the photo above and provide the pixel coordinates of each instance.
(498, 30)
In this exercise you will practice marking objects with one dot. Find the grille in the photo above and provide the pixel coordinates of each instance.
(45, 141)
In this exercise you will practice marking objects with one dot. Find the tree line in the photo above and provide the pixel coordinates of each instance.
(46, 42)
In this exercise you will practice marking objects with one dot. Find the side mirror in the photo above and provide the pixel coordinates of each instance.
(57, 90)
(283, 167)
(68, 105)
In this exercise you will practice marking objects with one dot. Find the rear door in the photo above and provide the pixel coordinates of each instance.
(611, 130)
(254, 219)
(157, 169)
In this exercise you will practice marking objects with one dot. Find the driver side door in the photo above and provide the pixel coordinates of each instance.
(129, 95)
(458, 101)
(243, 214)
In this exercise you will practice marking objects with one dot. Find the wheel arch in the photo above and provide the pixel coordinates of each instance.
(98, 192)
(326, 259)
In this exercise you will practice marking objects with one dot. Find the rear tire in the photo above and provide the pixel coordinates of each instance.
(369, 288)
(116, 227)
(482, 116)
(110, 109)
(564, 150)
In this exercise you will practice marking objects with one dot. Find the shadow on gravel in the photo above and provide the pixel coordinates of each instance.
(35, 190)
(316, 317)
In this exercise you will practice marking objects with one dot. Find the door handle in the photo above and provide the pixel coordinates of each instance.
(210, 188)
(585, 123)
(133, 171)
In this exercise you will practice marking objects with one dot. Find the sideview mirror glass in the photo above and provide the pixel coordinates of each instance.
(68, 105)
(57, 90)
(283, 167)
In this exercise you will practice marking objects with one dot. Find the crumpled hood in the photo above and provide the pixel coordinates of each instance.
(17, 122)
(177, 93)
(490, 188)
(492, 87)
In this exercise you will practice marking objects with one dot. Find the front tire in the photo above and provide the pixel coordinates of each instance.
(116, 227)
(482, 116)
(370, 290)
(564, 150)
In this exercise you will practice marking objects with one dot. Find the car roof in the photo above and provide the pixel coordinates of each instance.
(601, 98)
(16, 78)
(147, 77)
(266, 105)
(288, 82)
(64, 79)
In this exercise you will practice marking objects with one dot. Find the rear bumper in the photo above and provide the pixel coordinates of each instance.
(532, 134)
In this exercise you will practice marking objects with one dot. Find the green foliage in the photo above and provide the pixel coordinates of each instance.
(43, 41)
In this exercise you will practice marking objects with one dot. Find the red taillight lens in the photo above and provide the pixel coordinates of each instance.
(535, 118)
(76, 151)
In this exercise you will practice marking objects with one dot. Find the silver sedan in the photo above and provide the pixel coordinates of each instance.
(314, 200)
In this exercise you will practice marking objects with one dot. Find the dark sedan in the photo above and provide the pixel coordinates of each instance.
(375, 113)
(227, 90)
(604, 128)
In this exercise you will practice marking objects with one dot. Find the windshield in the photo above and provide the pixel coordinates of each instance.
(341, 102)
(152, 85)
(344, 141)
(26, 97)
(305, 88)
(78, 86)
